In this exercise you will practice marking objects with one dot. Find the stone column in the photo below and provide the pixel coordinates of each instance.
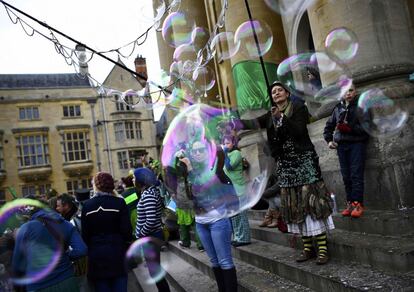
(386, 49)
(237, 14)
(247, 72)
(385, 59)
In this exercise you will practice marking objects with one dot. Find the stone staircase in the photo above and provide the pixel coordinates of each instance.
(373, 253)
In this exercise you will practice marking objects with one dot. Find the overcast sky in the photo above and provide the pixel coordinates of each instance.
(102, 25)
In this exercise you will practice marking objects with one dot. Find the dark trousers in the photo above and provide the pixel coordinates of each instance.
(153, 260)
(352, 161)
(112, 285)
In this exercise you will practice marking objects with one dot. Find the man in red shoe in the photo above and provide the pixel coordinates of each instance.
(344, 132)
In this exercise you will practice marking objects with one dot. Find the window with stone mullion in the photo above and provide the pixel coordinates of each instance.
(76, 146)
(32, 150)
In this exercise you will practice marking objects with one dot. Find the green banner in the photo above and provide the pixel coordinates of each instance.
(251, 88)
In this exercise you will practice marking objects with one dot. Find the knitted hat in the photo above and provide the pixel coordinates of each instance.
(278, 83)
(145, 177)
(82, 195)
(104, 182)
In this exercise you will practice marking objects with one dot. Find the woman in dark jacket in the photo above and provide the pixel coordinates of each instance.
(107, 231)
(304, 197)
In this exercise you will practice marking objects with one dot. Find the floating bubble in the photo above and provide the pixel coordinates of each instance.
(147, 249)
(177, 29)
(204, 78)
(226, 44)
(182, 70)
(302, 74)
(334, 91)
(199, 37)
(255, 37)
(379, 115)
(40, 253)
(289, 7)
(196, 133)
(185, 52)
(181, 98)
(342, 44)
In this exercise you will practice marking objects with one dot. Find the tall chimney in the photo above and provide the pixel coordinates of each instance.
(141, 66)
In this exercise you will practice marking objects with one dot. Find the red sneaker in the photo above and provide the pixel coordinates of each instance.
(349, 208)
(358, 210)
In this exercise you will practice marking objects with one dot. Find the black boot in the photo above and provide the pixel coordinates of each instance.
(218, 274)
(230, 280)
(163, 286)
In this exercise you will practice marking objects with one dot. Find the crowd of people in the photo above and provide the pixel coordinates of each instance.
(95, 228)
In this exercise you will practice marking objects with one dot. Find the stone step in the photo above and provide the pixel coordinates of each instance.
(184, 277)
(385, 253)
(250, 278)
(334, 276)
(392, 223)
(142, 284)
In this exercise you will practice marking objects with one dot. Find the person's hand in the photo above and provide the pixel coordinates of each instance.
(332, 145)
(275, 112)
(179, 153)
(343, 128)
(187, 163)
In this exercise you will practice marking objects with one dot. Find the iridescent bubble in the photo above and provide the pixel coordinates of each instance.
(204, 78)
(43, 253)
(180, 98)
(288, 7)
(225, 44)
(342, 44)
(182, 70)
(196, 134)
(185, 52)
(303, 75)
(199, 37)
(147, 249)
(177, 28)
(255, 37)
(334, 91)
(380, 115)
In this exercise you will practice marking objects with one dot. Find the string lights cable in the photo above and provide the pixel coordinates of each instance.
(73, 59)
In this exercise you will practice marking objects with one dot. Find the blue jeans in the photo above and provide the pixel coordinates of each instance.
(352, 161)
(119, 284)
(216, 239)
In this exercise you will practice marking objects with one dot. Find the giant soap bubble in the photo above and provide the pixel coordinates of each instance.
(43, 253)
(192, 150)
(380, 116)
(255, 37)
(314, 77)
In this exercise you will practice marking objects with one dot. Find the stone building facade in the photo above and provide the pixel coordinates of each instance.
(126, 133)
(47, 133)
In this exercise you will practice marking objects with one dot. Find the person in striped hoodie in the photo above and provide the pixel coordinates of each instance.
(149, 222)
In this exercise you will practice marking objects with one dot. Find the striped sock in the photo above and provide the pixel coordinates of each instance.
(307, 243)
(321, 239)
